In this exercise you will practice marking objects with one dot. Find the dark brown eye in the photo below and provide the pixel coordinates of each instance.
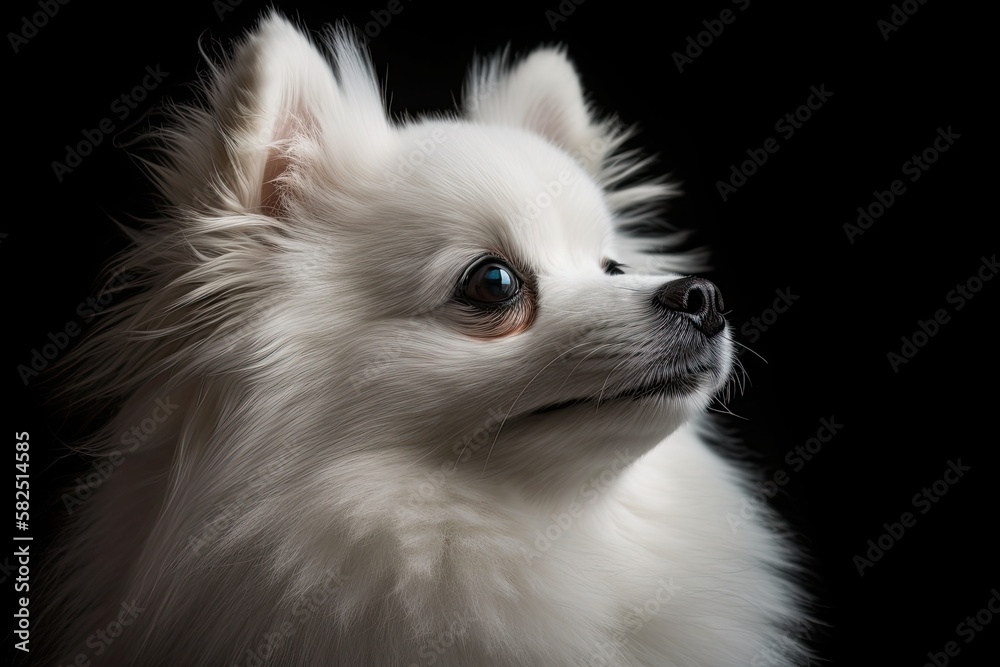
(491, 282)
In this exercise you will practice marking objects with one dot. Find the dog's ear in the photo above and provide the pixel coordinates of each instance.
(541, 93)
(276, 118)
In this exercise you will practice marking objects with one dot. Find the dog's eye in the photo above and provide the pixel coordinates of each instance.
(613, 268)
(490, 282)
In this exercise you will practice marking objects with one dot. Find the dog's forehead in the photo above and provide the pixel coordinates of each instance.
(521, 189)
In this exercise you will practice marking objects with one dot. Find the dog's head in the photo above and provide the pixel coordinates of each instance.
(417, 284)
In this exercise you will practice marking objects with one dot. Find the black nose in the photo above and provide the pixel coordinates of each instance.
(697, 299)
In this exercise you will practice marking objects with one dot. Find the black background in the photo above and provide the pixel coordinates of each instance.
(826, 356)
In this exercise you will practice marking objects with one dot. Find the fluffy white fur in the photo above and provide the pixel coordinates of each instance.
(356, 472)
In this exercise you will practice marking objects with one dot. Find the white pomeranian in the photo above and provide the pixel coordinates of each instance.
(403, 393)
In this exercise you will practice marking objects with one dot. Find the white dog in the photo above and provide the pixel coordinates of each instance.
(402, 393)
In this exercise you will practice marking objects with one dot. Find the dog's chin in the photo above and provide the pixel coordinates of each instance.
(676, 386)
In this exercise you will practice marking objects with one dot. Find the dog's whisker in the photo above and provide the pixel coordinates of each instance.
(725, 410)
(585, 358)
(748, 349)
(512, 405)
(744, 376)
(600, 396)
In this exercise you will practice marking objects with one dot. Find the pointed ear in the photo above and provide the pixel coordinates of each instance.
(542, 93)
(277, 117)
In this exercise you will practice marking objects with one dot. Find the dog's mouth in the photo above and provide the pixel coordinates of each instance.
(672, 385)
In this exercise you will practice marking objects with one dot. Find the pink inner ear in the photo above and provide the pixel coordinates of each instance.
(548, 119)
(273, 189)
(277, 164)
